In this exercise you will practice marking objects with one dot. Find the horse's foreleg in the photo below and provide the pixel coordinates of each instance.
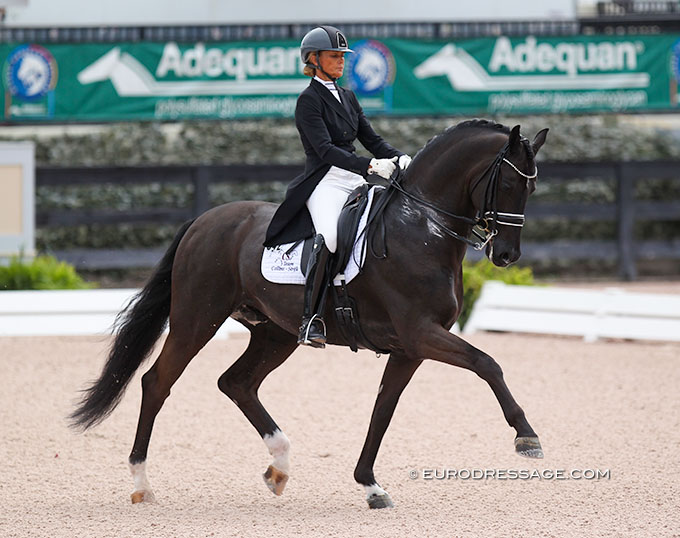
(443, 346)
(269, 347)
(398, 373)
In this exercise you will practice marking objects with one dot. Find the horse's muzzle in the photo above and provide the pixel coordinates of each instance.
(501, 254)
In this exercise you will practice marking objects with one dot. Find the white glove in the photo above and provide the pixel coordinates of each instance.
(404, 161)
(382, 167)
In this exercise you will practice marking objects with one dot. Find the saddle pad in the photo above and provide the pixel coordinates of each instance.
(283, 267)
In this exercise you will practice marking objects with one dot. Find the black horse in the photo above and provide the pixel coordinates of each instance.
(477, 172)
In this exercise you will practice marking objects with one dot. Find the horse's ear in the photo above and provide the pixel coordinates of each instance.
(539, 140)
(514, 139)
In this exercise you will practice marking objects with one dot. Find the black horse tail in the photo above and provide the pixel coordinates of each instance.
(139, 325)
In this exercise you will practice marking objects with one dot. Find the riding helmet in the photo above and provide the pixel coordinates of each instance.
(323, 38)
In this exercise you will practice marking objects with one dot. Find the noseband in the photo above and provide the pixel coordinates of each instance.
(485, 222)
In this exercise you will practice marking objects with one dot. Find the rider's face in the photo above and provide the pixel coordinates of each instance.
(332, 62)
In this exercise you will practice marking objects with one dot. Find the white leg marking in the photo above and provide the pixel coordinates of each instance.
(374, 489)
(138, 471)
(279, 447)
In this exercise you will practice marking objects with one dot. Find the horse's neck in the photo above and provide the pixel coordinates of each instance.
(423, 228)
(443, 177)
(455, 169)
(416, 232)
(444, 183)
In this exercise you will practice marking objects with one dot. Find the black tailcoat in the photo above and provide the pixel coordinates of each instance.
(328, 129)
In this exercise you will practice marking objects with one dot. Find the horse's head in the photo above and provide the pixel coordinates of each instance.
(512, 179)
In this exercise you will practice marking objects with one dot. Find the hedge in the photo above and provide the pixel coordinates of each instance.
(571, 138)
(41, 273)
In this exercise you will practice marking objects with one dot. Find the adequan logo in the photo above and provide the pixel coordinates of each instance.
(567, 66)
(131, 78)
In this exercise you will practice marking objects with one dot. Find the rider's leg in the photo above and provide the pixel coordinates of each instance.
(313, 330)
(326, 201)
(325, 205)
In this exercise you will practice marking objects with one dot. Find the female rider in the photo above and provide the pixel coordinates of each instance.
(329, 119)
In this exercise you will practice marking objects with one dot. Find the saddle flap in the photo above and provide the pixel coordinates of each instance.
(348, 225)
(306, 253)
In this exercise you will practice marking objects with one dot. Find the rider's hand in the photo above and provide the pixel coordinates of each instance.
(382, 167)
(404, 161)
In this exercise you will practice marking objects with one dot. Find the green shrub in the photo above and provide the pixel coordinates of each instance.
(474, 276)
(41, 273)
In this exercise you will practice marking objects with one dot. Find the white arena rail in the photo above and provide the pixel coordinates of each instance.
(530, 309)
(70, 312)
(610, 313)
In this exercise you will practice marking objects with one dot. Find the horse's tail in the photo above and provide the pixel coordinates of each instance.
(138, 326)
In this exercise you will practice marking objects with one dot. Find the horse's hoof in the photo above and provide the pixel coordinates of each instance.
(529, 447)
(380, 501)
(276, 480)
(143, 496)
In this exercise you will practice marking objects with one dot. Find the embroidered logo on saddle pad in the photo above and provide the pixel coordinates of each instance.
(283, 264)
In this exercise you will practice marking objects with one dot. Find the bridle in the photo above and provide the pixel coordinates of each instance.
(484, 224)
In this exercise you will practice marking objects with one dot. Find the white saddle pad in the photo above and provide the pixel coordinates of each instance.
(283, 267)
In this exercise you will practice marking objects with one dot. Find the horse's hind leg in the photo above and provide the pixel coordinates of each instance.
(269, 347)
(181, 345)
(398, 373)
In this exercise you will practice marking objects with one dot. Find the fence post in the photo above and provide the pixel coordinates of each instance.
(626, 221)
(201, 180)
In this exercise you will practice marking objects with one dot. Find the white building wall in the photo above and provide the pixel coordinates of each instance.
(177, 12)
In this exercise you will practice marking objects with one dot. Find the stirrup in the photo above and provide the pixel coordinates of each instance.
(317, 340)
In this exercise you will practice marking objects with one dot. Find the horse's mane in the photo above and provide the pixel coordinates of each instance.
(453, 131)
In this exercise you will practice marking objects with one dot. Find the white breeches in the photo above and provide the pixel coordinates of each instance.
(327, 199)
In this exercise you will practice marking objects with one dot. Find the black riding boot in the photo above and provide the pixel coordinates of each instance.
(313, 329)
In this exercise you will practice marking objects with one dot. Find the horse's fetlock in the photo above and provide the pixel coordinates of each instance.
(364, 476)
(517, 416)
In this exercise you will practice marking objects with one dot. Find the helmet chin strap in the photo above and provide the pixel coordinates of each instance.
(317, 65)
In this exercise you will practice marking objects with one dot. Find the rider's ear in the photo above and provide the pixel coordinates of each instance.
(539, 140)
(514, 140)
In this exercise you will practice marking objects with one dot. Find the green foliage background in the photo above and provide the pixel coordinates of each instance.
(41, 273)
(275, 141)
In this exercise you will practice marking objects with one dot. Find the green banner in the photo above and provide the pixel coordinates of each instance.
(168, 81)
(578, 74)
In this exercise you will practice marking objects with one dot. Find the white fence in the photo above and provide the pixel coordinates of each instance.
(70, 312)
(529, 309)
(610, 313)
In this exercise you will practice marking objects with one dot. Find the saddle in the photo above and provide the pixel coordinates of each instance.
(287, 264)
(348, 226)
(344, 306)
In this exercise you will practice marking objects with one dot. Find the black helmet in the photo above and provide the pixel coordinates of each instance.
(323, 38)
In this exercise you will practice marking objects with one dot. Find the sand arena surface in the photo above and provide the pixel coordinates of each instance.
(604, 406)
